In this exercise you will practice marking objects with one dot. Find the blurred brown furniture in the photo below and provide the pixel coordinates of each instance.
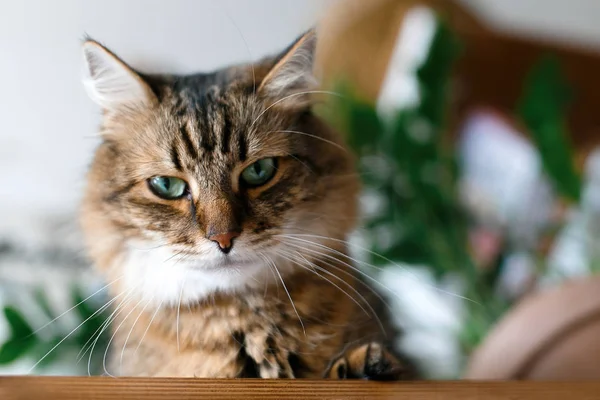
(549, 335)
(357, 39)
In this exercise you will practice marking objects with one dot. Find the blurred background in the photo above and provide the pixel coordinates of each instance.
(515, 84)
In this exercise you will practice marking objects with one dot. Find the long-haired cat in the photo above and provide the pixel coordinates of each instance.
(218, 206)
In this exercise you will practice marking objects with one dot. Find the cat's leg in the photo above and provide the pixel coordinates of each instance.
(368, 361)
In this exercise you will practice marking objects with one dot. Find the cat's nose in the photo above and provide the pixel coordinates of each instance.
(225, 240)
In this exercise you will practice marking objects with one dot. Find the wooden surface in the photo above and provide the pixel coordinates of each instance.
(148, 389)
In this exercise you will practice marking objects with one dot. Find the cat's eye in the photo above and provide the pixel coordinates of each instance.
(259, 173)
(168, 187)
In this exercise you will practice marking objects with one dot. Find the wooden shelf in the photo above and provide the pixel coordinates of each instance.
(65, 388)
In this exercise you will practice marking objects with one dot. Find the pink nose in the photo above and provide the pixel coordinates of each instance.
(225, 240)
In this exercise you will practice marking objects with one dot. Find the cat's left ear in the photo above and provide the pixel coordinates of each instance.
(293, 73)
(113, 84)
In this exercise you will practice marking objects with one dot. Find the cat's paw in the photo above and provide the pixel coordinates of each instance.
(368, 361)
(268, 355)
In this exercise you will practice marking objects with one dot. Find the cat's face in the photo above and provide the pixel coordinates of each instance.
(202, 183)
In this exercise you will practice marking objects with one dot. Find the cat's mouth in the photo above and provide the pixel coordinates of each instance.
(221, 263)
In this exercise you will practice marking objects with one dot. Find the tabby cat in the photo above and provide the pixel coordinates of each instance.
(218, 206)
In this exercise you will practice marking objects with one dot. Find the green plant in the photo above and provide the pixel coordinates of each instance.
(46, 348)
(409, 162)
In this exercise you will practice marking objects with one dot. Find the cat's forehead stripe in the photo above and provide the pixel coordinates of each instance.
(242, 147)
(175, 158)
(186, 135)
(226, 134)
(205, 115)
(207, 126)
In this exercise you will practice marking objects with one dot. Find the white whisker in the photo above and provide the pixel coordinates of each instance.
(289, 96)
(314, 266)
(68, 335)
(289, 296)
(110, 319)
(113, 336)
(85, 346)
(131, 330)
(179, 307)
(88, 344)
(339, 146)
(269, 264)
(148, 327)
(76, 305)
(293, 236)
(348, 273)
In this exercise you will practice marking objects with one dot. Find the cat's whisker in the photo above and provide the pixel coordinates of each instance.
(76, 305)
(314, 270)
(295, 237)
(348, 273)
(354, 290)
(176, 254)
(87, 345)
(288, 294)
(328, 215)
(301, 162)
(179, 308)
(357, 270)
(328, 92)
(148, 248)
(339, 146)
(266, 284)
(69, 334)
(113, 336)
(98, 333)
(270, 265)
(148, 327)
(110, 320)
(131, 330)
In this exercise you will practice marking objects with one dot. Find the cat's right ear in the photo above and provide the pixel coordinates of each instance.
(111, 83)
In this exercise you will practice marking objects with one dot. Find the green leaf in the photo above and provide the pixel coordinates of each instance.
(15, 348)
(19, 327)
(365, 128)
(543, 108)
(434, 74)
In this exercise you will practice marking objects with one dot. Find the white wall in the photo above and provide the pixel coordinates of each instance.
(572, 22)
(46, 120)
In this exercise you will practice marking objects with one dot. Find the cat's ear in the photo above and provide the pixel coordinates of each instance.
(293, 73)
(111, 83)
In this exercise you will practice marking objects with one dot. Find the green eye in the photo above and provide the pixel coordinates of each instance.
(259, 173)
(167, 187)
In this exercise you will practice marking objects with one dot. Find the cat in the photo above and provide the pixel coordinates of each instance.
(218, 206)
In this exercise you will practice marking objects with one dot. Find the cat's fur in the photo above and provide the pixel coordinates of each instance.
(284, 302)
